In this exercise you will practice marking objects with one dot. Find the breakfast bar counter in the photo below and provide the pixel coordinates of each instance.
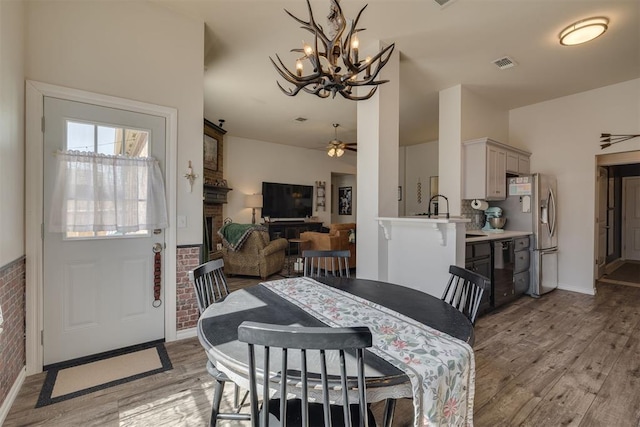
(481, 236)
(420, 250)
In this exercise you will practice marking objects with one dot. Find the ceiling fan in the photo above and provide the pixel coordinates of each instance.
(336, 147)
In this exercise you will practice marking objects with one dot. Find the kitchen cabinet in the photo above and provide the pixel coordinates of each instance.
(478, 259)
(518, 162)
(521, 265)
(485, 166)
(510, 269)
(502, 278)
(485, 170)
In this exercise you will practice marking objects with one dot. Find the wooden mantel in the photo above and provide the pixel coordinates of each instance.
(214, 194)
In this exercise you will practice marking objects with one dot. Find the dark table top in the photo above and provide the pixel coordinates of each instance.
(218, 325)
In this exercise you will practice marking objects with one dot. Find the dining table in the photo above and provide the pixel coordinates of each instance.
(387, 376)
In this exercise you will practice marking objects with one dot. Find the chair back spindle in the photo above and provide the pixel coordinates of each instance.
(464, 291)
(326, 263)
(304, 340)
(209, 283)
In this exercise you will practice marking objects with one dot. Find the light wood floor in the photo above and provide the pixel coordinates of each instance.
(563, 359)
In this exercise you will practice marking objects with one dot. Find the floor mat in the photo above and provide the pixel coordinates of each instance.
(86, 375)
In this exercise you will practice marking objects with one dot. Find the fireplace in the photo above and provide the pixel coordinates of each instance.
(212, 223)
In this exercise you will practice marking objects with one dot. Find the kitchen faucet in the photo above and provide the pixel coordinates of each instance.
(429, 206)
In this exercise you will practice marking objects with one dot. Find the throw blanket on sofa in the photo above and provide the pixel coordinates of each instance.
(234, 235)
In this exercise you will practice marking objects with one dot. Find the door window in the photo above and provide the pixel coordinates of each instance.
(109, 140)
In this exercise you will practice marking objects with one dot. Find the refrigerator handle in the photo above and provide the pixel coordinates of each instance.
(552, 205)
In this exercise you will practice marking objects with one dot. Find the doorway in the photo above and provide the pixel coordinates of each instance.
(614, 241)
(34, 206)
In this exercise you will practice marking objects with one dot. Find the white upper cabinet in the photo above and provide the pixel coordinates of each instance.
(485, 166)
(518, 162)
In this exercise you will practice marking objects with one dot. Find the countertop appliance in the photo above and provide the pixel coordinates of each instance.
(531, 205)
(492, 212)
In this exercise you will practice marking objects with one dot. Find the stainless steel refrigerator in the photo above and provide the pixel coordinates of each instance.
(531, 205)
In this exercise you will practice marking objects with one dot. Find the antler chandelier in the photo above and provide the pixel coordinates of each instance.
(328, 76)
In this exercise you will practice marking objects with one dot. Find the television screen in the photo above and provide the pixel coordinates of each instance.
(286, 201)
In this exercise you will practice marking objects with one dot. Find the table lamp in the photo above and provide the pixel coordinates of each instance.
(253, 201)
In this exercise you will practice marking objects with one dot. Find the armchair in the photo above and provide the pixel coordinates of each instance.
(336, 240)
(258, 256)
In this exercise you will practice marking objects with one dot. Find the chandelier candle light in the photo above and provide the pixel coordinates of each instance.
(328, 77)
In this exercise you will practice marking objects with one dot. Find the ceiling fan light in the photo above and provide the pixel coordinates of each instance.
(583, 31)
(331, 152)
(339, 152)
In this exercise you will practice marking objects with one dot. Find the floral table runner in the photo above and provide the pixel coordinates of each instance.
(441, 368)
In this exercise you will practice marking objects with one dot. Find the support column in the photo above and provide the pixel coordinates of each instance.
(378, 146)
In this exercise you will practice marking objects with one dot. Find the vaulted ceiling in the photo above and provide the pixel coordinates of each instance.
(439, 47)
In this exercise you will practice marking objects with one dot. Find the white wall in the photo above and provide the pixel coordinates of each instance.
(563, 136)
(480, 118)
(464, 115)
(134, 50)
(421, 162)
(11, 131)
(401, 180)
(450, 147)
(248, 162)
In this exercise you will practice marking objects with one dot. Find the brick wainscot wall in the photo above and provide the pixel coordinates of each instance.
(12, 338)
(186, 305)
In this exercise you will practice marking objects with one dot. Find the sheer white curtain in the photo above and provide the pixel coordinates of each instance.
(96, 192)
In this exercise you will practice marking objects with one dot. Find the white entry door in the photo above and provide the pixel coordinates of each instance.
(631, 223)
(99, 286)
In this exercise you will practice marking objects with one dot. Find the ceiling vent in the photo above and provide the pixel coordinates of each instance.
(444, 3)
(505, 62)
(301, 119)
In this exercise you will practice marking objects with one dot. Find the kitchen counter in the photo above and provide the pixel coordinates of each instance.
(480, 236)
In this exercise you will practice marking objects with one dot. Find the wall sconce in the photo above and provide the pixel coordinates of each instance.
(190, 177)
(253, 201)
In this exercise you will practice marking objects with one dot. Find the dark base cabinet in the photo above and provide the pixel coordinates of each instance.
(478, 259)
(502, 279)
(506, 264)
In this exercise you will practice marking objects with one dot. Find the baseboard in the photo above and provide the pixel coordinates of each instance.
(186, 333)
(576, 289)
(13, 393)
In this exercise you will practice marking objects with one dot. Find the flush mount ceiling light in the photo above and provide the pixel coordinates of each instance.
(583, 31)
(328, 76)
(336, 147)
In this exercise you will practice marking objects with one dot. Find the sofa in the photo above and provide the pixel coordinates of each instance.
(256, 255)
(339, 237)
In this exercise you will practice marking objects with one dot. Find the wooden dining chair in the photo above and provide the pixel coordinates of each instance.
(326, 263)
(210, 285)
(313, 349)
(464, 291)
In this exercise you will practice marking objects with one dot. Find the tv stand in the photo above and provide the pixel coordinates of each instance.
(291, 229)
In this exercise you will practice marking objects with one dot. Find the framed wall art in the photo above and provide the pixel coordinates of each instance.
(344, 200)
(210, 155)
